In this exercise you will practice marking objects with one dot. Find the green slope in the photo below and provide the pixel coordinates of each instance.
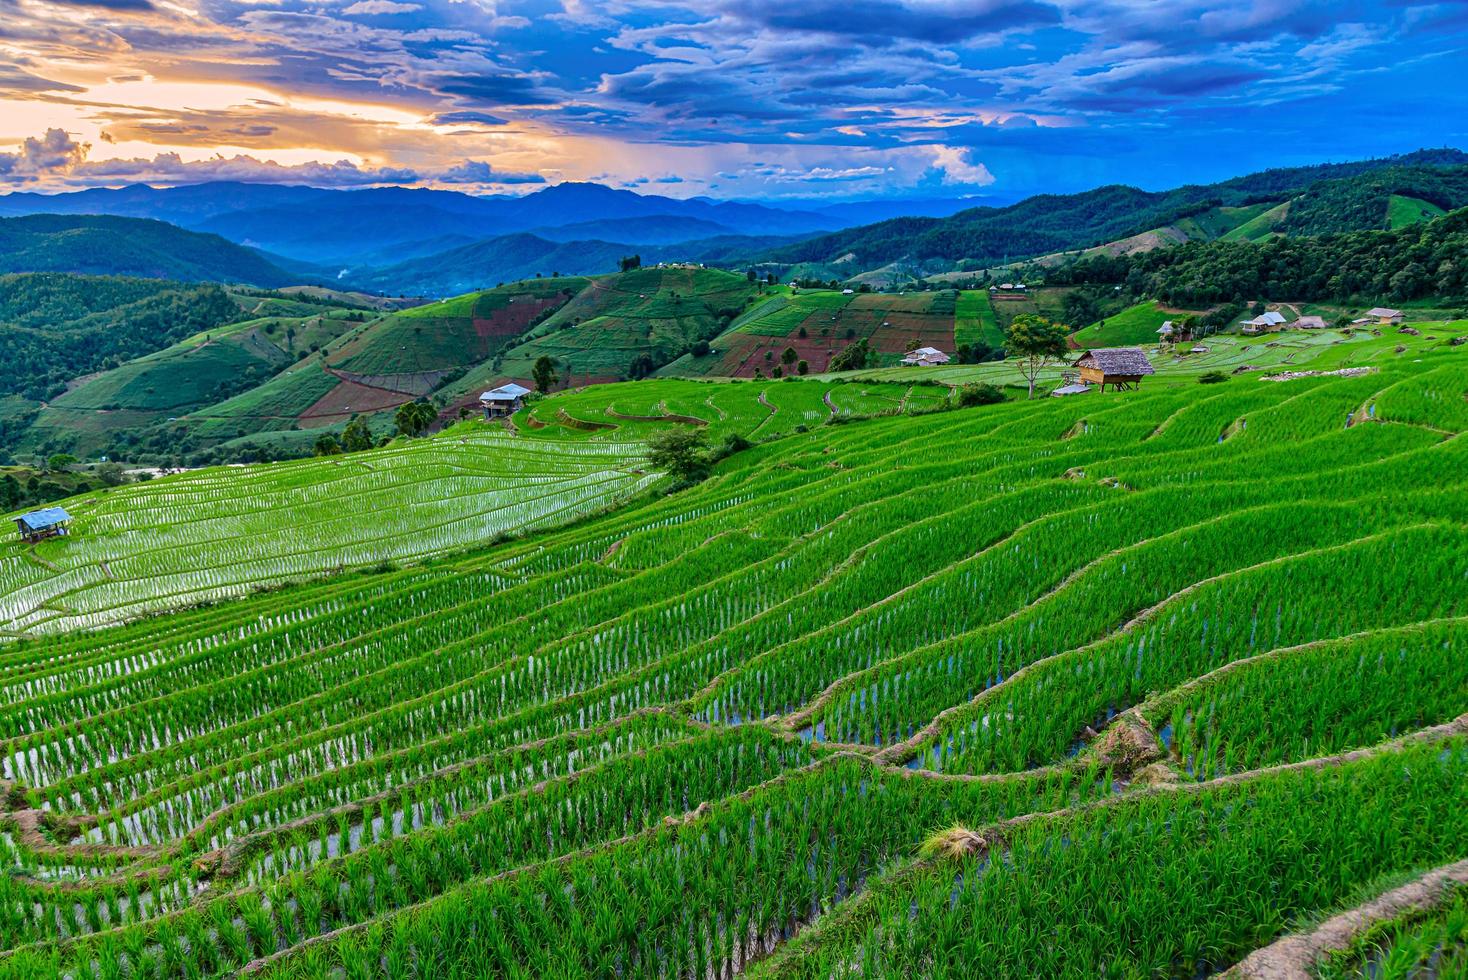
(657, 313)
(105, 245)
(1402, 211)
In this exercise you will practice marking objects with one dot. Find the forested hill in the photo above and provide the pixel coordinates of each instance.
(1329, 197)
(106, 245)
(1404, 264)
(55, 327)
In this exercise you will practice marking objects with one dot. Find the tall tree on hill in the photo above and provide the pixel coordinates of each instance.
(544, 373)
(630, 262)
(1035, 343)
(414, 418)
(356, 436)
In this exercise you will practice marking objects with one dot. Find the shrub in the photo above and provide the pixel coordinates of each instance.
(1212, 378)
(981, 393)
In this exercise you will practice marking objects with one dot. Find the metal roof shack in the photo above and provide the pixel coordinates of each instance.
(44, 523)
(925, 357)
(504, 400)
(1121, 367)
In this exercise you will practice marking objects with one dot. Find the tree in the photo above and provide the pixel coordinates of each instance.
(326, 445)
(111, 474)
(356, 436)
(802, 367)
(788, 356)
(544, 373)
(59, 462)
(1035, 342)
(414, 418)
(682, 450)
(853, 358)
(630, 262)
(700, 348)
(642, 365)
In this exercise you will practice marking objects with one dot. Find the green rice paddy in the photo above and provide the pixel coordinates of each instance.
(1121, 685)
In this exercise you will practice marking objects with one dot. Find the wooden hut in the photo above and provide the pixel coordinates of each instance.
(44, 523)
(1121, 367)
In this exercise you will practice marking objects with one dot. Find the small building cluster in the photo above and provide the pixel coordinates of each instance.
(1380, 316)
(48, 522)
(504, 400)
(925, 357)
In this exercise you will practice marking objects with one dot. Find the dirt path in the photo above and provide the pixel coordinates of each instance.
(826, 397)
(773, 412)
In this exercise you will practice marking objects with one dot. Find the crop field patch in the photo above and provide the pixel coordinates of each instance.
(348, 398)
(885, 694)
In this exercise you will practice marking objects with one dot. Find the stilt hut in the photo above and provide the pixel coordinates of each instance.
(1121, 367)
(47, 522)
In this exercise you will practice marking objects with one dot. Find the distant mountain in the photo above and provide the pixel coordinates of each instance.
(1054, 223)
(361, 227)
(506, 258)
(481, 265)
(657, 229)
(105, 245)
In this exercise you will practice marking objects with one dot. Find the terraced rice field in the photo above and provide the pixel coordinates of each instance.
(221, 532)
(1091, 687)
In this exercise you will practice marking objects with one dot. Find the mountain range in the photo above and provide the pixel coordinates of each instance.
(419, 242)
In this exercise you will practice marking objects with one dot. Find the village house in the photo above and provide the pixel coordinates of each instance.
(504, 400)
(1383, 316)
(1264, 323)
(44, 523)
(1121, 367)
(925, 357)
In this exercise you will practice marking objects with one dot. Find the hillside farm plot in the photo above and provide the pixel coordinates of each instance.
(657, 312)
(819, 324)
(454, 333)
(899, 697)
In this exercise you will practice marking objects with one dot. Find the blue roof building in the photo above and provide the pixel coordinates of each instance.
(43, 523)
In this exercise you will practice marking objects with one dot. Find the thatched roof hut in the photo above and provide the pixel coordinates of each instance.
(1120, 367)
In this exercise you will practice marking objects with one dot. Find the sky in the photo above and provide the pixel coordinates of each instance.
(748, 99)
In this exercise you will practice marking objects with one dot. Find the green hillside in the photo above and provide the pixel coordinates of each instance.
(654, 313)
(55, 328)
(1134, 325)
(453, 333)
(1402, 211)
(105, 245)
(1124, 685)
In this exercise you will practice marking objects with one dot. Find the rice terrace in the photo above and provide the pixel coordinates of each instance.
(884, 490)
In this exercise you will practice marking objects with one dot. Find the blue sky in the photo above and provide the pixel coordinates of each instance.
(753, 99)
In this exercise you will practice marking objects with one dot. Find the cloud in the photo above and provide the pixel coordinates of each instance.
(466, 117)
(54, 153)
(375, 7)
(57, 156)
(959, 166)
(122, 5)
(480, 172)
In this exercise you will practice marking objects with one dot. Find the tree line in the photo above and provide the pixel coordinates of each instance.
(1416, 262)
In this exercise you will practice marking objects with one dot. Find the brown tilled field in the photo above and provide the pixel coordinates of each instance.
(347, 399)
